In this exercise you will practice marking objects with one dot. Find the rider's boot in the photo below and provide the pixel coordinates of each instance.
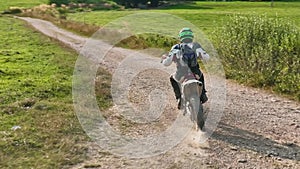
(179, 103)
(177, 92)
(203, 97)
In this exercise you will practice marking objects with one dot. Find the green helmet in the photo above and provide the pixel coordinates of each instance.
(186, 34)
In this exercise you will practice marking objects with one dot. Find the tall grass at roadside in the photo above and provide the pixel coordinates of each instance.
(143, 41)
(58, 17)
(261, 51)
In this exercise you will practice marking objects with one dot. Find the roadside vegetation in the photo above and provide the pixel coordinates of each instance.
(262, 52)
(39, 128)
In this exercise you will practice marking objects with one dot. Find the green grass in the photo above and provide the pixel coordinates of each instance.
(205, 15)
(35, 94)
(5, 4)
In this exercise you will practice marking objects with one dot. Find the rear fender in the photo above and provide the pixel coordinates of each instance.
(191, 87)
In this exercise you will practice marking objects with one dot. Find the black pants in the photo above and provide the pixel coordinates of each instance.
(176, 87)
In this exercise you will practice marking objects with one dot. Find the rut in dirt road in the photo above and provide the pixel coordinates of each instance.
(258, 129)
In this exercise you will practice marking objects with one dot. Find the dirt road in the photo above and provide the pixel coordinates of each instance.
(258, 129)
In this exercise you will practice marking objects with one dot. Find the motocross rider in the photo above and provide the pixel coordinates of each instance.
(186, 37)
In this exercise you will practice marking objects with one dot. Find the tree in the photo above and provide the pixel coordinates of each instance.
(129, 3)
(59, 2)
(154, 3)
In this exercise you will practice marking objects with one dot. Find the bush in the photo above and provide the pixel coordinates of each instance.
(148, 40)
(261, 51)
(13, 10)
(42, 11)
(85, 5)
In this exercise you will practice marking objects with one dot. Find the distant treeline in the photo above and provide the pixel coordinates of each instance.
(145, 3)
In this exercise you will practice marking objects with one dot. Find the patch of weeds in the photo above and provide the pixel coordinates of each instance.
(10, 109)
(42, 106)
(58, 16)
(144, 41)
(27, 103)
(102, 89)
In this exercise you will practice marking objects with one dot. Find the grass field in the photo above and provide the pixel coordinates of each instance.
(205, 15)
(35, 94)
(5, 4)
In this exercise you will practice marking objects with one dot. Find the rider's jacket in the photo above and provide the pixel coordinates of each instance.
(175, 55)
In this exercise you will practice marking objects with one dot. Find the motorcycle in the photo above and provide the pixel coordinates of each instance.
(191, 90)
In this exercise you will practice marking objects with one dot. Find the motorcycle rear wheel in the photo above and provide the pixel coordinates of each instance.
(200, 117)
(196, 110)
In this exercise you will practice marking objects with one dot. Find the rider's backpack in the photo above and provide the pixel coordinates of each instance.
(188, 55)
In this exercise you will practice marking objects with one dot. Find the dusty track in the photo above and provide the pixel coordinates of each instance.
(258, 129)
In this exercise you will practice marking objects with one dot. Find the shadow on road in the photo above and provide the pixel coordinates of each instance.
(258, 143)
